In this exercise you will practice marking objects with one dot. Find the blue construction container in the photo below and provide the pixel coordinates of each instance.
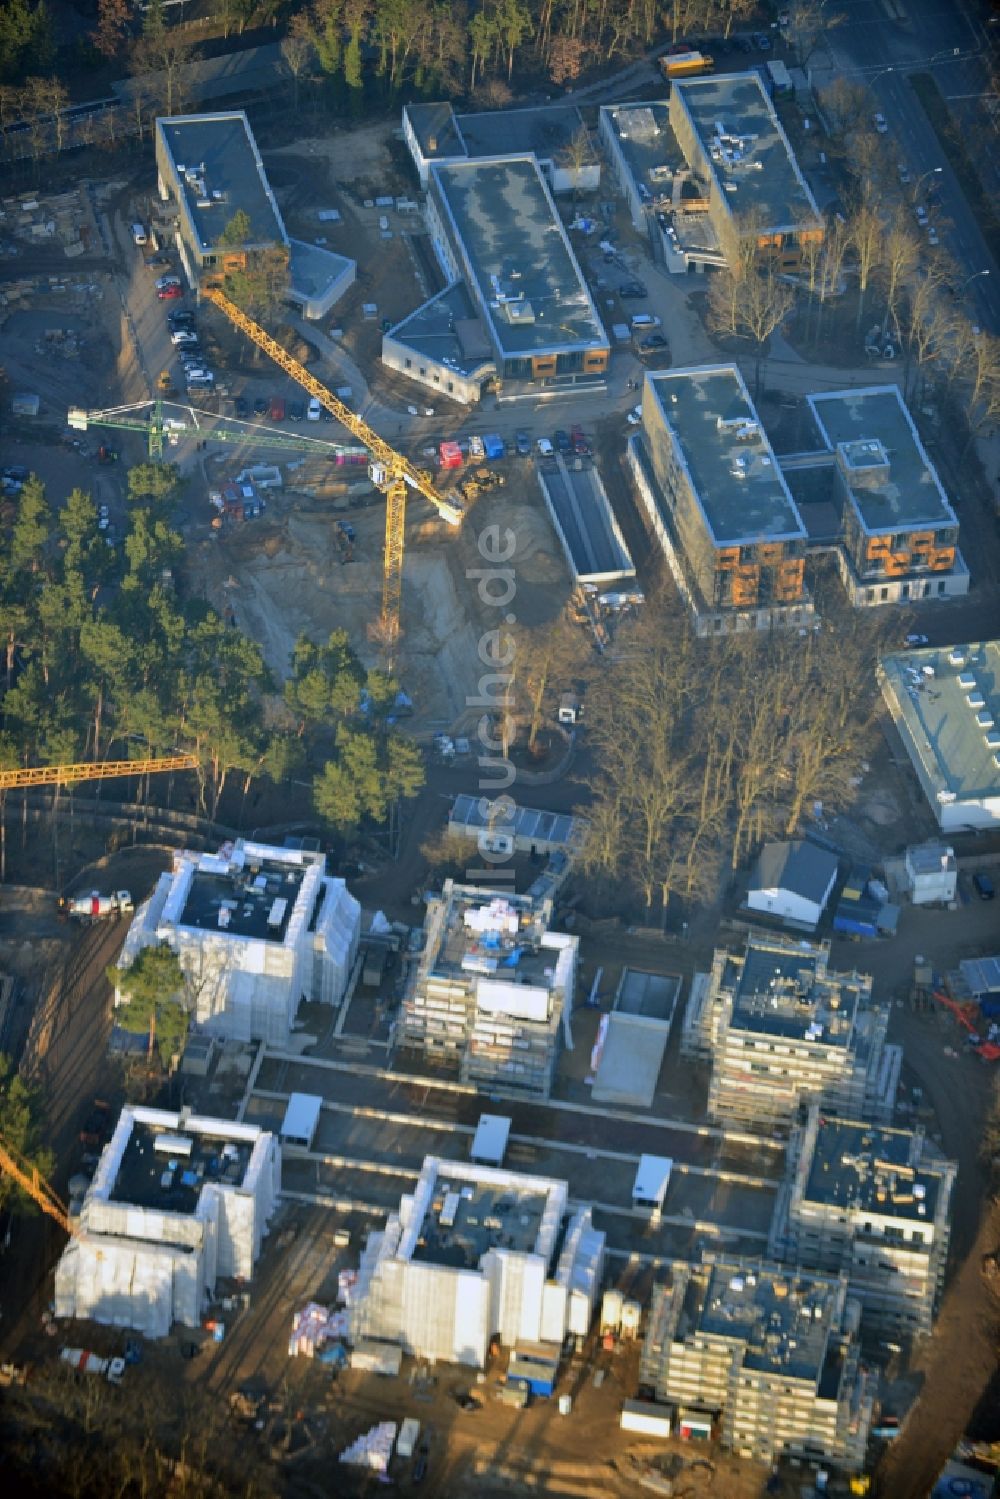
(493, 445)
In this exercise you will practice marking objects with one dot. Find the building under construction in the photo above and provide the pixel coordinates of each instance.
(771, 1355)
(493, 989)
(257, 930)
(474, 1253)
(872, 1203)
(177, 1202)
(780, 1030)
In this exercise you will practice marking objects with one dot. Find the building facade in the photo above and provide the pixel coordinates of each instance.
(874, 1204)
(770, 1355)
(474, 1253)
(780, 1030)
(493, 989)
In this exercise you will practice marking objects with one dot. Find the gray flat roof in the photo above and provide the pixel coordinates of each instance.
(224, 145)
(941, 727)
(546, 132)
(502, 213)
(431, 331)
(586, 523)
(754, 507)
(313, 268)
(868, 1167)
(903, 492)
(435, 129)
(647, 140)
(486, 1217)
(783, 1319)
(653, 996)
(764, 170)
(250, 898)
(784, 989)
(150, 1178)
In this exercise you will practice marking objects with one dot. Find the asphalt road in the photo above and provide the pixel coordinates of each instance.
(875, 48)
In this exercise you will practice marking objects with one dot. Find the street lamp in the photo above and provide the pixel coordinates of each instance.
(974, 277)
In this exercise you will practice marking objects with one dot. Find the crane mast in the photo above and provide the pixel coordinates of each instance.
(390, 471)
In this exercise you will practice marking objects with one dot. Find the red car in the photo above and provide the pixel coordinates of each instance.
(169, 293)
(277, 409)
(578, 438)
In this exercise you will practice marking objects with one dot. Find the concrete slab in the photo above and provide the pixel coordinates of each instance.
(630, 1062)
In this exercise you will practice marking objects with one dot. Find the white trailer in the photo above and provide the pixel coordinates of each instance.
(406, 1442)
(97, 907)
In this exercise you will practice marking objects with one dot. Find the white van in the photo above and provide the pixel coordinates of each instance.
(644, 321)
(313, 410)
(139, 236)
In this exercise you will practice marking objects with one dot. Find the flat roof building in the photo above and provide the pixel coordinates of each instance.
(177, 1202)
(475, 1253)
(257, 930)
(494, 224)
(774, 1351)
(873, 1203)
(555, 135)
(899, 531)
(946, 705)
(780, 1030)
(732, 138)
(443, 345)
(209, 167)
(492, 990)
(717, 502)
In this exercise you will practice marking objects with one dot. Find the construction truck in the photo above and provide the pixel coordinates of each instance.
(111, 1369)
(95, 906)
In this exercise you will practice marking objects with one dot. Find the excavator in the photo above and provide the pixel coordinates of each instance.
(965, 1015)
(389, 471)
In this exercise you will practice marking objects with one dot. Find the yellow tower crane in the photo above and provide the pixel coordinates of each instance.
(31, 1180)
(389, 470)
(105, 770)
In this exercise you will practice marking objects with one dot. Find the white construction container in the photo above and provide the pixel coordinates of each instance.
(377, 1358)
(647, 1417)
(406, 1442)
(611, 1311)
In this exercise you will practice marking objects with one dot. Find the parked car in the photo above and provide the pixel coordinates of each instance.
(654, 343)
(545, 447)
(139, 236)
(170, 293)
(296, 411)
(881, 124)
(181, 336)
(983, 885)
(241, 409)
(162, 281)
(904, 173)
(763, 41)
(199, 374)
(315, 409)
(630, 289)
(579, 440)
(916, 640)
(476, 449)
(157, 263)
(561, 440)
(16, 472)
(522, 442)
(276, 409)
(635, 416)
(932, 235)
(260, 406)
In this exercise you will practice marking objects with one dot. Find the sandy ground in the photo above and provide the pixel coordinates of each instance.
(284, 578)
